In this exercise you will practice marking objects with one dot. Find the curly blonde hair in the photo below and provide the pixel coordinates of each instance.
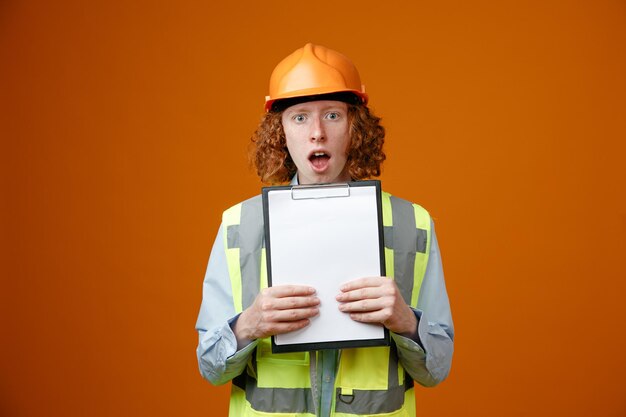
(274, 165)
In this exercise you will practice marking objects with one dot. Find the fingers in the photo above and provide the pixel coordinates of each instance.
(363, 282)
(280, 309)
(286, 327)
(364, 288)
(366, 305)
(273, 321)
(287, 297)
(281, 291)
(375, 300)
(360, 294)
(288, 303)
(380, 316)
(385, 311)
(276, 316)
(367, 294)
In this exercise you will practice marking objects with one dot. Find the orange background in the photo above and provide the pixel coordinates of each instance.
(124, 129)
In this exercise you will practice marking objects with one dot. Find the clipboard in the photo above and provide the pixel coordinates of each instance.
(323, 236)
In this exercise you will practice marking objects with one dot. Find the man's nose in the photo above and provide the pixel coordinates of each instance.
(317, 131)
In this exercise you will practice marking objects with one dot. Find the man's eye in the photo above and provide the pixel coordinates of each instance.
(333, 115)
(299, 118)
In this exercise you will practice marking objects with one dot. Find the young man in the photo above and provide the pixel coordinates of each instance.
(318, 129)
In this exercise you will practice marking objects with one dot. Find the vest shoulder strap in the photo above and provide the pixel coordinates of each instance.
(407, 230)
(243, 241)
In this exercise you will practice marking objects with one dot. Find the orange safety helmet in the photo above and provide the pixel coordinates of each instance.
(311, 71)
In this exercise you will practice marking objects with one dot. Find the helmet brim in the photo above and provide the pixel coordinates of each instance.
(347, 96)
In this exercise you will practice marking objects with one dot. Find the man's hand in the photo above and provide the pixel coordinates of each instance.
(378, 300)
(277, 310)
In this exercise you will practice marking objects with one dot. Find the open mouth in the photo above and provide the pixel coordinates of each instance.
(319, 160)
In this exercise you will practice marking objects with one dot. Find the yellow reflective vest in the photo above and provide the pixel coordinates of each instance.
(370, 381)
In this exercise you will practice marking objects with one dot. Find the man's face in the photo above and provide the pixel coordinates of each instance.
(318, 137)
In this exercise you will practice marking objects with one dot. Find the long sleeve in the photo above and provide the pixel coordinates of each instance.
(218, 358)
(428, 362)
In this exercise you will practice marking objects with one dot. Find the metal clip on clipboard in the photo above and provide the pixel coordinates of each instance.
(308, 192)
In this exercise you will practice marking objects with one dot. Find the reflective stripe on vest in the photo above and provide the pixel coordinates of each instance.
(280, 383)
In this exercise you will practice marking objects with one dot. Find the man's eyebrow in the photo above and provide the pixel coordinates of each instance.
(329, 106)
(297, 110)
